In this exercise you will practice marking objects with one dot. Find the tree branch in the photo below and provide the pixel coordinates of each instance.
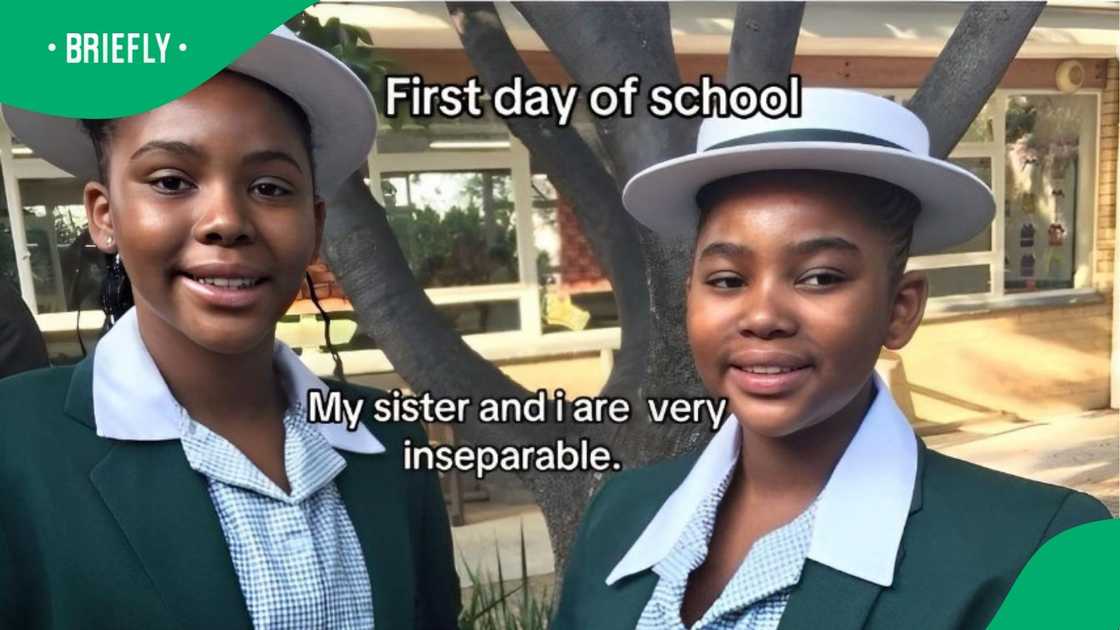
(970, 67)
(604, 42)
(361, 249)
(579, 175)
(619, 243)
(763, 42)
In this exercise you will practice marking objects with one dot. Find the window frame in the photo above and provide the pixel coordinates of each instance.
(1085, 248)
(530, 340)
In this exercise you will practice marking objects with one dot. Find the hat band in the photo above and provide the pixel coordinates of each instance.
(805, 135)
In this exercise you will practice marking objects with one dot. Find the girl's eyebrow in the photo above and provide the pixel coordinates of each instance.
(268, 155)
(171, 146)
(187, 150)
(801, 248)
(814, 245)
(723, 248)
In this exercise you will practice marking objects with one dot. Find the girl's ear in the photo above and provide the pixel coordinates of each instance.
(909, 307)
(100, 220)
(320, 209)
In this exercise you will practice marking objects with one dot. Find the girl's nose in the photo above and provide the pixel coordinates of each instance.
(766, 312)
(225, 220)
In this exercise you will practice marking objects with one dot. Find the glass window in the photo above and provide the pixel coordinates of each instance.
(7, 252)
(981, 129)
(7, 247)
(577, 294)
(456, 228)
(982, 242)
(959, 280)
(1042, 175)
(66, 268)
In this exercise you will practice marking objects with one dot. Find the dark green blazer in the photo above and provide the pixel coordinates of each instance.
(969, 533)
(101, 533)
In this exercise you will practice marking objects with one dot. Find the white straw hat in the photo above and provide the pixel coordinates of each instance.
(838, 130)
(338, 106)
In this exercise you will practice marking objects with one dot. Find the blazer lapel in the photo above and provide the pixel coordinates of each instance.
(167, 517)
(919, 481)
(378, 509)
(628, 598)
(828, 598)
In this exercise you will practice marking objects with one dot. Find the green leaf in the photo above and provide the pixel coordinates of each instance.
(359, 34)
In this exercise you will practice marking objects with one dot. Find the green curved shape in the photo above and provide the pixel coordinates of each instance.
(1073, 581)
(40, 79)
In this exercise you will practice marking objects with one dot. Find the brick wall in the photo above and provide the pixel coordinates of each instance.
(326, 285)
(578, 264)
(1033, 362)
(1106, 183)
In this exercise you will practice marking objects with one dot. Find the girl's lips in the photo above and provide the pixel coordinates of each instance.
(768, 384)
(225, 297)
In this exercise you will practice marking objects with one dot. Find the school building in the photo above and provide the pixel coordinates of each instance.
(1022, 321)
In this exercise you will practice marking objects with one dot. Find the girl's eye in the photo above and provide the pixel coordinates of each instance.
(822, 279)
(725, 282)
(170, 184)
(270, 189)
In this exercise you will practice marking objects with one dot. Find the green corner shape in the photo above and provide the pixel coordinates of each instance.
(1072, 581)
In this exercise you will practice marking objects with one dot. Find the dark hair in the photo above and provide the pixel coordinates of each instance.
(890, 208)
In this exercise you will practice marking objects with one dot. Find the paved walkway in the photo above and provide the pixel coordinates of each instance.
(494, 530)
(1081, 451)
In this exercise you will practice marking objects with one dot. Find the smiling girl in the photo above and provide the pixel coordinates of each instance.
(815, 505)
(172, 479)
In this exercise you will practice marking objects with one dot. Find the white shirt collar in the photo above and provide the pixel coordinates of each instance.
(860, 513)
(131, 401)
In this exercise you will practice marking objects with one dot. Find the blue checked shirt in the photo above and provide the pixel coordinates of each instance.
(757, 594)
(296, 556)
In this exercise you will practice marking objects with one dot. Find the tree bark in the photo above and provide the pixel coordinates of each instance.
(580, 177)
(970, 67)
(603, 43)
(426, 352)
(763, 42)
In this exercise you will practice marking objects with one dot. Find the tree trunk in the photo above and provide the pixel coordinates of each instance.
(969, 68)
(763, 42)
(393, 309)
(603, 43)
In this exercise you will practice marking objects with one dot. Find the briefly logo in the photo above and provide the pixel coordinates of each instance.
(117, 48)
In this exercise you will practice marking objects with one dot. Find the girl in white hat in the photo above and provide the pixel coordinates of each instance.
(173, 479)
(815, 505)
